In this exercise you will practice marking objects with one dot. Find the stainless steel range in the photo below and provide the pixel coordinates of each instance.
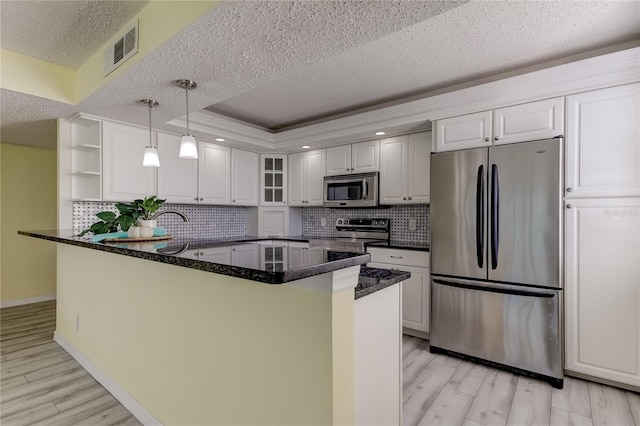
(353, 234)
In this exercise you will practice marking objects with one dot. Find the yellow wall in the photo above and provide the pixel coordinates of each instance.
(28, 193)
(197, 348)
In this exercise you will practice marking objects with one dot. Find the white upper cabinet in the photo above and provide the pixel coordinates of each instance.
(245, 167)
(603, 143)
(404, 169)
(535, 120)
(339, 160)
(306, 173)
(177, 177)
(528, 122)
(465, 131)
(602, 288)
(356, 158)
(214, 174)
(273, 179)
(124, 176)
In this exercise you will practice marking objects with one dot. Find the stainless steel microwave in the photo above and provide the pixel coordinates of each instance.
(357, 190)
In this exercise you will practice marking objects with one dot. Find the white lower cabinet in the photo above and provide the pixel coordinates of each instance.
(215, 255)
(416, 298)
(245, 256)
(377, 350)
(602, 288)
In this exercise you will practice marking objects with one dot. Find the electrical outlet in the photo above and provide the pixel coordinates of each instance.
(77, 322)
(412, 225)
(323, 221)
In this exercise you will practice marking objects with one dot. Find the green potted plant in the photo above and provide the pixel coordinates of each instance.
(139, 213)
(146, 209)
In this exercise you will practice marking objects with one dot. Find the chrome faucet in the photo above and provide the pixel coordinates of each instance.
(182, 215)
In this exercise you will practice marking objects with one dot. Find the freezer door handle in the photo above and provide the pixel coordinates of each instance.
(480, 217)
(499, 288)
(495, 202)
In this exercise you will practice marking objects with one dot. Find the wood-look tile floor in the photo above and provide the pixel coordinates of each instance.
(441, 390)
(41, 384)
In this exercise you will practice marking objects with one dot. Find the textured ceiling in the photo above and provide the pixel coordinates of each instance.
(65, 33)
(281, 63)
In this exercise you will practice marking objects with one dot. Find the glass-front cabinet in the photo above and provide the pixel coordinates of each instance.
(273, 179)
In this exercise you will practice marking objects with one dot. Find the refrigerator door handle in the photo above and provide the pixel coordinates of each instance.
(499, 288)
(495, 202)
(480, 217)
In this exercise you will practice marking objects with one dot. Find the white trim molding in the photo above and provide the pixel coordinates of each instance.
(27, 301)
(130, 403)
(608, 70)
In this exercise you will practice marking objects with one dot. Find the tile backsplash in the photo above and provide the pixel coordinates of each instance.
(204, 221)
(230, 222)
(399, 215)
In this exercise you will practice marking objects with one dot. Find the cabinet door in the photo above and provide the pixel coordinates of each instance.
(416, 298)
(365, 157)
(603, 143)
(527, 122)
(297, 179)
(124, 176)
(273, 221)
(245, 167)
(316, 169)
(393, 168)
(214, 173)
(177, 177)
(273, 180)
(216, 255)
(339, 160)
(418, 185)
(465, 131)
(246, 256)
(603, 288)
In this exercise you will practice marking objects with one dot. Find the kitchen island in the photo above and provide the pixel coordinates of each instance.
(181, 338)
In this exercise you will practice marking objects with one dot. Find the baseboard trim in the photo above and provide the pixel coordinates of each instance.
(137, 410)
(27, 301)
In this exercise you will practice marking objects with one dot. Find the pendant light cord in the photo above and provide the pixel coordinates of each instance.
(150, 137)
(186, 87)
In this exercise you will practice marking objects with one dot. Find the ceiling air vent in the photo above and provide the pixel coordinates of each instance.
(124, 47)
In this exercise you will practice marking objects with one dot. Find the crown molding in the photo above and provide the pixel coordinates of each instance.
(608, 70)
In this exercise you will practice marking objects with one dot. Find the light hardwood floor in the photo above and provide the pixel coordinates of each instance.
(41, 384)
(441, 390)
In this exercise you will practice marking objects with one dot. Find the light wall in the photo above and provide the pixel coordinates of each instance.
(28, 201)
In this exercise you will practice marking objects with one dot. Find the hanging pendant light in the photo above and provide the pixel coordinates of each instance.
(188, 147)
(151, 158)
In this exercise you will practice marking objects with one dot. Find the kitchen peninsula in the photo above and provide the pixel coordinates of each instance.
(182, 338)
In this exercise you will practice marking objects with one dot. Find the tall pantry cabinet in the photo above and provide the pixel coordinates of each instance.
(602, 241)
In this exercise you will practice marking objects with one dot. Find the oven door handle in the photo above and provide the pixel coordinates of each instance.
(499, 288)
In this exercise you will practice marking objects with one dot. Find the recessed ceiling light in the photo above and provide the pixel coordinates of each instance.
(306, 146)
(379, 133)
(220, 140)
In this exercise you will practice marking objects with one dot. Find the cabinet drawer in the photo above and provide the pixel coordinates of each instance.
(399, 257)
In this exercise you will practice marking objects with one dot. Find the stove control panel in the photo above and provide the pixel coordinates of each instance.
(345, 223)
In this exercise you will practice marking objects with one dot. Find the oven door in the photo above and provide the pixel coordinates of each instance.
(512, 325)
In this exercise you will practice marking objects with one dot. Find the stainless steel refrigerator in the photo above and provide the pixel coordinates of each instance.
(496, 247)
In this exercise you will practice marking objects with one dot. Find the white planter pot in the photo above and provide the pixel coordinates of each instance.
(148, 223)
(140, 232)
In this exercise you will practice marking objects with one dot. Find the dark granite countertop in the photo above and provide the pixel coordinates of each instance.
(256, 262)
(402, 245)
(375, 279)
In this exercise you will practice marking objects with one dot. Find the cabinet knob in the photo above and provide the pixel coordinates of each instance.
(396, 257)
(201, 199)
(569, 189)
(496, 138)
(404, 198)
(195, 199)
(569, 206)
(233, 201)
(284, 202)
(486, 139)
(410, 197)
